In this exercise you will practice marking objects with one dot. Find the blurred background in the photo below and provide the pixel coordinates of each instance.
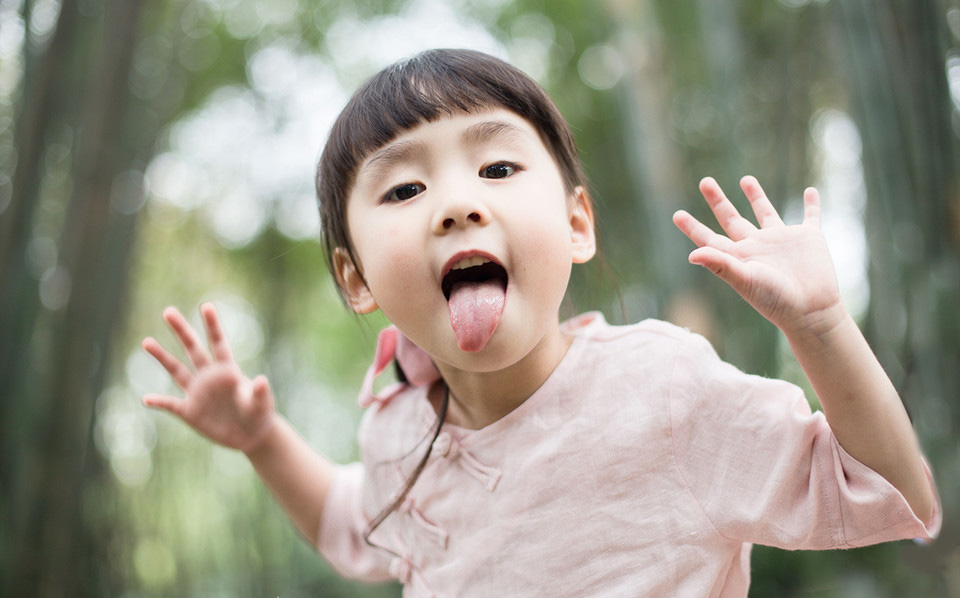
(161, 152)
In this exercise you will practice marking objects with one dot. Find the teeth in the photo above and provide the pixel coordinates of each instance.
(470, 262)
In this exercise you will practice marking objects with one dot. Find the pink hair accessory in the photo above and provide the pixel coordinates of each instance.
(414, 361)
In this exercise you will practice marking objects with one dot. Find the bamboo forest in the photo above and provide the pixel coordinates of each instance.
(160, 153)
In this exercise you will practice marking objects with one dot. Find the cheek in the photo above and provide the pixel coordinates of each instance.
(546, 249)
(389, 258)
(549, 247)
(547, 228)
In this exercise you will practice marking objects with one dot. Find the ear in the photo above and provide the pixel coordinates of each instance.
(582, 232)
(351, 283)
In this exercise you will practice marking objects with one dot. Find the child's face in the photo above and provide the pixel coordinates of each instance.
(473, 185)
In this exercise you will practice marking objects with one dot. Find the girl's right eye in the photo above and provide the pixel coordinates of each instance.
(405, 192)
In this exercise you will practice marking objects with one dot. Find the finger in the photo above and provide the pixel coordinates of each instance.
(700, 233)
(167, 403)
(188, 337)
(180, 373)
(732, 223)
(218, 341)
(723, 265)
(262, 406)
(262, 395)
(811, 207)
(762, 208)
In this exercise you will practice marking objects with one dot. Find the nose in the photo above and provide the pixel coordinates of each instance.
(459, 212)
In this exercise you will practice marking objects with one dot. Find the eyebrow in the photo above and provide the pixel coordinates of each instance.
(385, 158)
(492, 130)
(382, 160)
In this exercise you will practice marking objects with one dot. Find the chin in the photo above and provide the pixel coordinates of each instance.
(501, 352)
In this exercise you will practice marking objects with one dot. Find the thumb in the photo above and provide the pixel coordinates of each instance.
(262, 395)
(167, 403)
(723, 265)
(727, 268)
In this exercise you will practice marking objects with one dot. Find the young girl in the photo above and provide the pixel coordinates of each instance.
(519, 456)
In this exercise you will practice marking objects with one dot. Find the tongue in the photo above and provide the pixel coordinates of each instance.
(475, 309)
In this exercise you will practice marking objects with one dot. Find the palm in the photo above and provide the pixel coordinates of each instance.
(784, 272)
(218, 404)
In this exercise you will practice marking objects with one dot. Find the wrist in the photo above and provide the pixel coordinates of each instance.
(818, 325)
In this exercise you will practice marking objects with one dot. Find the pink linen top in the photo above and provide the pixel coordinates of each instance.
(644, 466)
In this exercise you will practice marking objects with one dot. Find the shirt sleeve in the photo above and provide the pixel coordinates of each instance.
(340, 539)
(766, 470)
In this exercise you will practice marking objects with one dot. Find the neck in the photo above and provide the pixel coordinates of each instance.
(478, 399)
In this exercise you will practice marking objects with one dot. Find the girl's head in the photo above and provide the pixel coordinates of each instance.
(422, 89)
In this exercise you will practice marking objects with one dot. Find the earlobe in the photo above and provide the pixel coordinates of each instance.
(582, 233)
(352, 284)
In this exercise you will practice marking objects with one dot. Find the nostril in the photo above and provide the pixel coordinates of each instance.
(461, 219)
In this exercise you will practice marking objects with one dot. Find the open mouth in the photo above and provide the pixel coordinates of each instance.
(476, 290)
(473, 270)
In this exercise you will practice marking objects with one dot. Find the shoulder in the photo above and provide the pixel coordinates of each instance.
(641, 360)
(682, 367)
(656, 339)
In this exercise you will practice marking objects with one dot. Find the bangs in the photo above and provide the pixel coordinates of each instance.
(423, 89)
(400, 100)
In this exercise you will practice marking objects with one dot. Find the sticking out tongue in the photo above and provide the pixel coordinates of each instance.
(475, 308)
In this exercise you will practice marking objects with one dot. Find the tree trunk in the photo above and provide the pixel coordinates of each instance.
(41, 107)
(62, 374)
(911, 160)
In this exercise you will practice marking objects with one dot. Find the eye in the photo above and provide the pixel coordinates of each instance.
(405, 192)
(500, 170)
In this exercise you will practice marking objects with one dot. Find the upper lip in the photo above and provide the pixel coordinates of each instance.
(462, 255)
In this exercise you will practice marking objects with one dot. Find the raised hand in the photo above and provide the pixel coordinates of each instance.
(784, 272)
(219, 401)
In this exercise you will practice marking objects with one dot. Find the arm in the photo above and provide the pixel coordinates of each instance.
(786, 274)
(221, 403)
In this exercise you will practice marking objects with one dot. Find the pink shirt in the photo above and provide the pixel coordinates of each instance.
(644, 466)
